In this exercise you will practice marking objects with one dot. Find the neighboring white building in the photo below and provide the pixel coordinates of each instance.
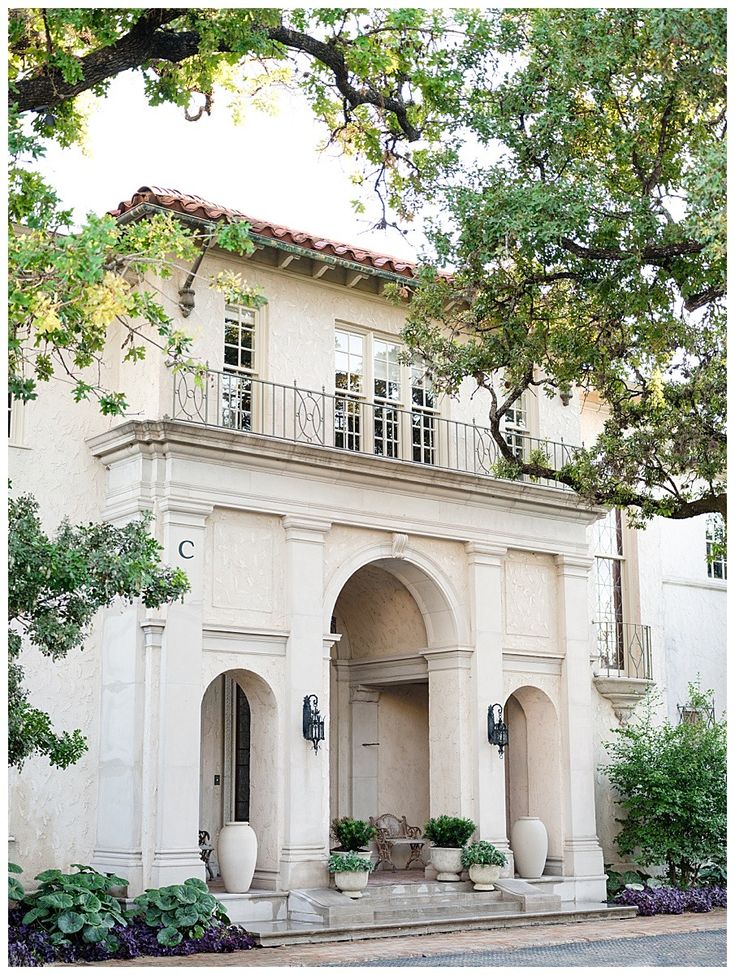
(343, 538)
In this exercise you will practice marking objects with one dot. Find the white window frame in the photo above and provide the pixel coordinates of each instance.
(517, 427)
(16, 423)
(721, 562)
(372, 403)
(620, 559)
(240, 372)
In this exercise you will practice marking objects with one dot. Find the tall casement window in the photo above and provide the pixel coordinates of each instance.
(242, 756)
(716, 560)
(516, 426)
(240, 368)
(609, 563)
(382, 405)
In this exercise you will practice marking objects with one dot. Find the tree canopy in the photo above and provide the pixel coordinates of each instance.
(55, 587)
(589, 251)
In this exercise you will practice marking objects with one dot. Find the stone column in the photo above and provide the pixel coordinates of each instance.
(306, 806)
(451, 750)
(175, 722)
(486, 596)
(582, 853)
(365, 751)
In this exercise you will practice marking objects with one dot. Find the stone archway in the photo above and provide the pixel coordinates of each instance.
(219, 764)
(533, 781)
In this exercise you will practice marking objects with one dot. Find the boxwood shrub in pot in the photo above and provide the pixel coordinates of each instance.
(352, 834)
(483, 860)
(351, 872)
(448, 835)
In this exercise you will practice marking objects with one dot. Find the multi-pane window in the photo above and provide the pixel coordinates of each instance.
(387, 425)
(716, 558)
(516, 428)
(240, 366)
(609, 581)
(424, 414)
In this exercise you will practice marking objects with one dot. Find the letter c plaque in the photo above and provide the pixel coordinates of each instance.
(186, 541)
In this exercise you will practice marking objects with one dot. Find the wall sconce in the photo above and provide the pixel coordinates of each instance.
(497, 730)
(313, 721)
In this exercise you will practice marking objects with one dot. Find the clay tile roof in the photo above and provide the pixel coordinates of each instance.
(196, 206)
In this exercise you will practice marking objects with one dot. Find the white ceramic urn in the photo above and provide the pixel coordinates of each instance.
(447, 860)
(237, 851)
(530, 844)
(351, 882)
(484, 875)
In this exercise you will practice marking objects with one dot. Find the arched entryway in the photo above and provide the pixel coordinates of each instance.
(391, 751)
(238, 764)
(533, 785)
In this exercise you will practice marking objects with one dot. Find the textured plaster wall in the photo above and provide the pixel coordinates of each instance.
(403, 755)
(379, 615)
(530, 602)
(211, 809)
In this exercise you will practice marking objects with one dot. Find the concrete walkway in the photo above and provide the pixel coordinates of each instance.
(399, 951)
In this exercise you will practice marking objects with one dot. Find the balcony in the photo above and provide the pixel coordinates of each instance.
(348, 423)
(623, 670)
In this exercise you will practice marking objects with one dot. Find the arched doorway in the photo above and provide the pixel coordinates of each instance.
(238, 764)
(386, 756)
(533, 766)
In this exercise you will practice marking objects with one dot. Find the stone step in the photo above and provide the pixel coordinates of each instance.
(289, 932)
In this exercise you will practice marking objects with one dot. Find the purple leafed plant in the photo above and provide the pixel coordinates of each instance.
(670, 900)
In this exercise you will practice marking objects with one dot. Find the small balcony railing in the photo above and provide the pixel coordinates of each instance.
(347, 422)
(624, 650)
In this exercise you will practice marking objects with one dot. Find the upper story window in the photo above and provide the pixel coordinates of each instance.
(609, 565)
(401, 417)
(716, 558)
(516, 426)
(240, 366)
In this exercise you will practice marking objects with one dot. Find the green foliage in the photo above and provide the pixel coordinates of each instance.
(75, 907)
(352, 834)
(16, 891)
(347, 862)
(56, 585)
(713, 875)
(589, 252)
(672, 784)
(633, 879)
(449, 831)
(483, 852)
(509, 470)
(179, 911)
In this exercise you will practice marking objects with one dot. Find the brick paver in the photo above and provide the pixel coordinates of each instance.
(417, 946)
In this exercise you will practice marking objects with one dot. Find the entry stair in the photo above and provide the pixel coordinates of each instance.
(391, 910)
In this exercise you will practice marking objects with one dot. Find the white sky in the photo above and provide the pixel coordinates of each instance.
(267, 167)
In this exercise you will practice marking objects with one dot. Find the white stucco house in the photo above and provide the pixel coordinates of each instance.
(345, 538)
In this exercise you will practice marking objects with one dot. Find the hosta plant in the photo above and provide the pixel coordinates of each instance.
(75, 906)
(352, 834)
(483, 853)
(180, 910)
(349, 863)
(449, 831)
(15, 887)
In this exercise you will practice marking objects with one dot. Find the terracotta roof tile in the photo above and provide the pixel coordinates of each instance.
(178, 202)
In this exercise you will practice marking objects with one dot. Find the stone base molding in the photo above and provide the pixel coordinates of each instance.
(176, 866)
(123, 863)
(303, 867)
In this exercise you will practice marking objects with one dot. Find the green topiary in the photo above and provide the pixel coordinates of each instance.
(484, 853)
(449, 831)
(352, 834)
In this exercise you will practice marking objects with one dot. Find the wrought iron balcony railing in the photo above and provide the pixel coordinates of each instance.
(347, 422)
(624, 650)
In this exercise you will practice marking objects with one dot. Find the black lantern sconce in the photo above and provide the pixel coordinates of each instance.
(497, 730)
(313, 721)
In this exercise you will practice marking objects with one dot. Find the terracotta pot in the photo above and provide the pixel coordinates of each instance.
(530, 844)
(448, 862)
(351, 882)
(484, 875)
(237, 851)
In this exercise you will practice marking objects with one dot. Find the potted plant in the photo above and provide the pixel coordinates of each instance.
(484, 861)
(448, 835)
(351, 872)
(353, 835)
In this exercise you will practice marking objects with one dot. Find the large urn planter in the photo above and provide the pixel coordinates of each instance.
(447, 861)
(237, 851)
(484, 875)
(530, 844)
(351, 882)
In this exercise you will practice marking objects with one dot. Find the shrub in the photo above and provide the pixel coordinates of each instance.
(672, 783)
(344, 862)
(714, 874)
(352, 834)
(180, 910)
(483, 852)
(76, 907)
(449, 831)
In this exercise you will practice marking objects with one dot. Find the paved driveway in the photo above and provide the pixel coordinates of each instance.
(705, 949)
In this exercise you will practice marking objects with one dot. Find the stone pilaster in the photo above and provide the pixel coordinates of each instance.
(451, 754)
(365, 751)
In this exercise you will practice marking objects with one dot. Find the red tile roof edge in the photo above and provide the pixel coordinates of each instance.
(174, 200)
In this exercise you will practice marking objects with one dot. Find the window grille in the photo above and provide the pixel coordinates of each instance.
(239, 368)
(516, 427)
(609, 589)
(424, 413)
